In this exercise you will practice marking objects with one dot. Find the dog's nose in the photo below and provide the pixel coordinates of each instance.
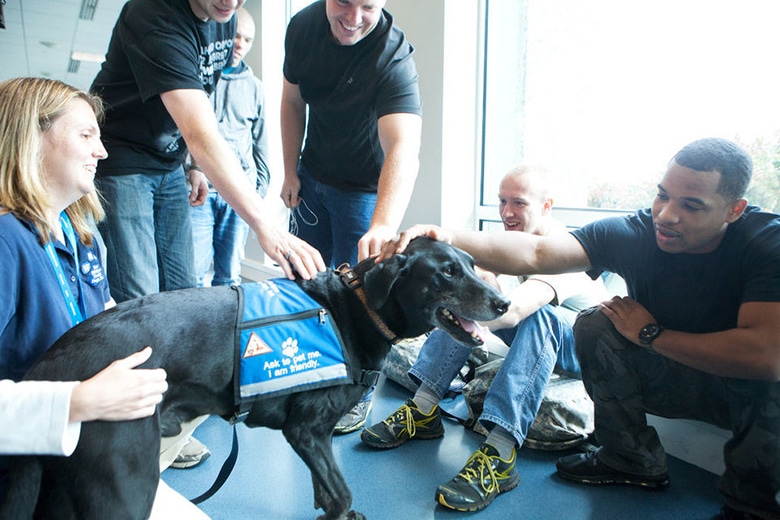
(502, 305)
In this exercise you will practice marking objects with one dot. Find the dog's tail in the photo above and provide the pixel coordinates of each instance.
(24, 484)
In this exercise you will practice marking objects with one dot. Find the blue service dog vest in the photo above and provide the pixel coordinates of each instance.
(286, 342)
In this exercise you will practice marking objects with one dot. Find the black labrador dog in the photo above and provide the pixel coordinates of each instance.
(114, 470)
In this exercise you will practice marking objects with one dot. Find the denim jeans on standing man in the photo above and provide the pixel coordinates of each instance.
(330, 219)
(147, 232)
(537, 344)
(218, 236)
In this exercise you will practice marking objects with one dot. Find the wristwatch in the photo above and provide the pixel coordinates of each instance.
(649, 332)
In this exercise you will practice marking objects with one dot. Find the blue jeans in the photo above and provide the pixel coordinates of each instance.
(147, 232)
(538, 343)
(218, 235)
(331, 220)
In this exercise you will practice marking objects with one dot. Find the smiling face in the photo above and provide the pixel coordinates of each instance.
(689, 214)
(70, 150)
(521, 207)
(352, 20)
(218, 10)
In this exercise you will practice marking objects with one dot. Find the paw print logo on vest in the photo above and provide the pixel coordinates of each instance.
(290, 347)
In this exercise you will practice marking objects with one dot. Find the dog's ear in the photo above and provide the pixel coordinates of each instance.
(380, 279)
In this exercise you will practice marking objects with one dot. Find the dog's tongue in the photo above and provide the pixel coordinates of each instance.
(472, 327)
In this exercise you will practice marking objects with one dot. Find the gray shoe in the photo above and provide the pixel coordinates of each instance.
(355, 418)
(192, 454)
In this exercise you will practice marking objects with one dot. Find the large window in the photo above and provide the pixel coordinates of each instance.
(604, 92)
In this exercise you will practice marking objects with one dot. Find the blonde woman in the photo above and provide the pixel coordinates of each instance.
(51, 276)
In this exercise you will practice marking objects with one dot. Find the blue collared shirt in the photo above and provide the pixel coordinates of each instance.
(32, 309)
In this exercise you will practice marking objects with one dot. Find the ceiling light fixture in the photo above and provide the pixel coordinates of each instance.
(87, 56)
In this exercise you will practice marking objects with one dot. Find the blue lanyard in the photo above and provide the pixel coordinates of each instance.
(76, 310)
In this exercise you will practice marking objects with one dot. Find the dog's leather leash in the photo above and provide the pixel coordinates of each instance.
(224, 473)
(353, 281)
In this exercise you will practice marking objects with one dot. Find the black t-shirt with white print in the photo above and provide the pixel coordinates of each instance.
(157, 46)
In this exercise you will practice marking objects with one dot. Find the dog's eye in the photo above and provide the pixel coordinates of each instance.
(448, 270)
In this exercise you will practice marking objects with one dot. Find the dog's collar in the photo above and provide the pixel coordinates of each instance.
(354, 282)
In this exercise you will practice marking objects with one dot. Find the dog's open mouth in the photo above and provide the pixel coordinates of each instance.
(463, 330)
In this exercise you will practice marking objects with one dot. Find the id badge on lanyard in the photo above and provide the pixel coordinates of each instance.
(75, 307)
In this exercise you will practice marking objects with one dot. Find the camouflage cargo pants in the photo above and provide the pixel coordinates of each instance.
(626, 381)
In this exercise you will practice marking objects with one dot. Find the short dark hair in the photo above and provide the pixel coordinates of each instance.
(720, 155)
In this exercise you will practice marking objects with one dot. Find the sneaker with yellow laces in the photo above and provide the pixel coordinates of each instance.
(406, 423)
(482, 479)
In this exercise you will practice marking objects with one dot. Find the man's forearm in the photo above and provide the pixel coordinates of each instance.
(399, 135)
(293, 124)
(224, 171)
(396, 184)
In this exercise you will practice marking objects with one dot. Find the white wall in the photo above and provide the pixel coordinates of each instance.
(446, 40)
(266, 58)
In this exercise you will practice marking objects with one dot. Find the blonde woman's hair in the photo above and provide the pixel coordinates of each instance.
(28, 108)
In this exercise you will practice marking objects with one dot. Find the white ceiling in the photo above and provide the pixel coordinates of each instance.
(40, 35)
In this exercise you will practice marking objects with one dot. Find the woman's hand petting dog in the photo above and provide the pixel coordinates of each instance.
(119, 392)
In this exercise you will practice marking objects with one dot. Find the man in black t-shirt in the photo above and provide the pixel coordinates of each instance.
(352, 67)
(163, 60)
(698, 335)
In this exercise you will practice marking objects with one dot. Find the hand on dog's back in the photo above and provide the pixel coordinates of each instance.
(119, 392)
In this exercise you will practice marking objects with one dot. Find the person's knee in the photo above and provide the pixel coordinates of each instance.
(590, 325)
(590, 322)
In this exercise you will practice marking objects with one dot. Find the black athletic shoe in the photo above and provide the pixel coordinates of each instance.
(482, 479)
(408, 422)
(586, 468)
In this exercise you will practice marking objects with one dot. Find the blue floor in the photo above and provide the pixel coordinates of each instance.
(270, 482)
